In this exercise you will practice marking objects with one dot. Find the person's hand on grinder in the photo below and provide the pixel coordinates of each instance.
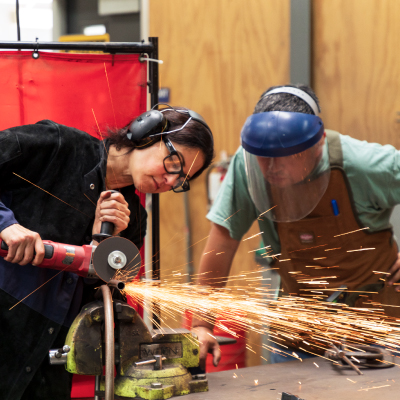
(22, 245)
(111, 207)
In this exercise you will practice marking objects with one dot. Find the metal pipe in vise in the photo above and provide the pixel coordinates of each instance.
(114, 283)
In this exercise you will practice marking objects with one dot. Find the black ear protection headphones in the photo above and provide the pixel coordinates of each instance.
(147, 127)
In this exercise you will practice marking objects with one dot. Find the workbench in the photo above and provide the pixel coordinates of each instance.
(303, 379)
(311, 379)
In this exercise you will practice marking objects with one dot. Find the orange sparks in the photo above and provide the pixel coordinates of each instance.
(336, 248)
(370, 248)
(231, 215)
(308, 248)
(267, 211)
(104, 144)
(374, 387)
(109, 91)
(69, 205)
(249, 307)
(347, 233)
(251, 237)
(261, 248)
(190, 168)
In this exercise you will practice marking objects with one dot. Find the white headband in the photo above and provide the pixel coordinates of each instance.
(299, 93)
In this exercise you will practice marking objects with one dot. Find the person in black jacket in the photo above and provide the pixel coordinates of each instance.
(55, 184)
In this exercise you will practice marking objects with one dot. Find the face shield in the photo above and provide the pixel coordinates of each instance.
(287, 163)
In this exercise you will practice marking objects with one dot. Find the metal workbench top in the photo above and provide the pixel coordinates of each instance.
(303, 379)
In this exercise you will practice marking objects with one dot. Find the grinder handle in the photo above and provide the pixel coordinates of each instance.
(106, 229)
(48, 249)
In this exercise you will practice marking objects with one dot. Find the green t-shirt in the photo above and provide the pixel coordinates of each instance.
(373, 172)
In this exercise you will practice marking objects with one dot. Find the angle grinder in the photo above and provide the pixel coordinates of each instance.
(114, 255)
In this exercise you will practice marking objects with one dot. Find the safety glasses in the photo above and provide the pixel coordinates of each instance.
(173, 165)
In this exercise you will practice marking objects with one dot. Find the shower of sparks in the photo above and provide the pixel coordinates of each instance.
(295, 321)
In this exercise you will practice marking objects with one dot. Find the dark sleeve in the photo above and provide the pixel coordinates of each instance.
(6, 215)
(136, 229)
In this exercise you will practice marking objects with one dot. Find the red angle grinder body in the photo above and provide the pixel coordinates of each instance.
(112, 255)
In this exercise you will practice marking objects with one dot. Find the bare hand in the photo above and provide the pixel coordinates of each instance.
(395, 273)
(22, 245)
(208, 344)
(111, 207)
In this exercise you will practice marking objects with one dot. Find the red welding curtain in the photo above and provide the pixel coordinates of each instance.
(71, 89)
(86, 91)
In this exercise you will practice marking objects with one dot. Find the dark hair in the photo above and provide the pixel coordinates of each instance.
(195, 135)
(285, 101)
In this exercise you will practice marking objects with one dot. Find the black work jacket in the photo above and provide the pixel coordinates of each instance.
(51, 177)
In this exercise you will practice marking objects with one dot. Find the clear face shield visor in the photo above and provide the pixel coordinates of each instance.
(287, 187)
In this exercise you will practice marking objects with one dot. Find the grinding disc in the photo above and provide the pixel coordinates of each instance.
(116, 245)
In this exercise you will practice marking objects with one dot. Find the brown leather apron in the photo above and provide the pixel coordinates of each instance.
(322, 254)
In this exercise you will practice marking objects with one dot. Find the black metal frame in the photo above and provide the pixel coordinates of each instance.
(151, 49)
(107, 47)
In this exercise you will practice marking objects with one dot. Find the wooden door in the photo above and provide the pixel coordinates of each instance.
(219, 56)
(356, 67)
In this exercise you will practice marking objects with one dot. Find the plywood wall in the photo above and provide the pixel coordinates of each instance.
(219, 56)
(356, 70)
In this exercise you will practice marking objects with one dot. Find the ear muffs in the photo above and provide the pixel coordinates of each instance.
(154, 122)
(148, 123)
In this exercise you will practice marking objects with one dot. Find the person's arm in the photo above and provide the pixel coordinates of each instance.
(20, 147)
(215, 265)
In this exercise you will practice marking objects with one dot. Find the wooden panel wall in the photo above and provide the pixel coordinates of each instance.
(219, 56)
(356, 70)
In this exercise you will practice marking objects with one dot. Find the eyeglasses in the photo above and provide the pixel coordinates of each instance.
(173, 165)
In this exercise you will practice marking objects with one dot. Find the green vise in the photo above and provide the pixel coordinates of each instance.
(149, 365)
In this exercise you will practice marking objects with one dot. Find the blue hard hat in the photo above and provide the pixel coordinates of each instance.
(280, 133)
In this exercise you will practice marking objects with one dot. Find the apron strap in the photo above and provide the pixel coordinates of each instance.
(334, 148)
